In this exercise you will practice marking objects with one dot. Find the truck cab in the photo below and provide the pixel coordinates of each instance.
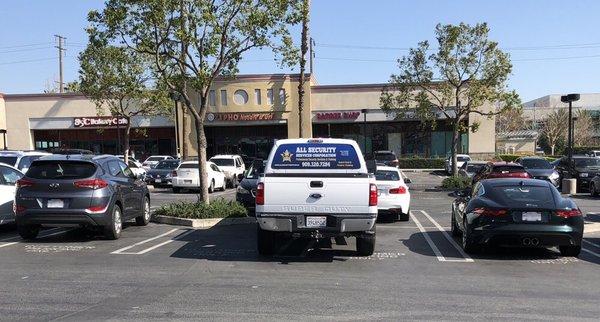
(317, 188)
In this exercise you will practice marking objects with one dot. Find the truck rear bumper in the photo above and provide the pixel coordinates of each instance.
(293, 223)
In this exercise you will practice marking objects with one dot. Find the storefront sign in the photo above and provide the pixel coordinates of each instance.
(233, 117)
(325, 116)
(99, 121)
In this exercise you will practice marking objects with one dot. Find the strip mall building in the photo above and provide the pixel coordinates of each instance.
(246, 115)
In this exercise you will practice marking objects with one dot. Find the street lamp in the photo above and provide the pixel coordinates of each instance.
(176, 97)
(570, 98)
(3, 132)
(365, 111)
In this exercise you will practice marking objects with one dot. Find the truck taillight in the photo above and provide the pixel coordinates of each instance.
(17, 209)
(398, 191)
(92, 184)
(260, 194)
(372, 195)
(568, 213)
(21, 183)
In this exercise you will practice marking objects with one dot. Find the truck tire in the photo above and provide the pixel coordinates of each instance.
(365, 244)
(28, 232)
(570, 251)
(265, 241)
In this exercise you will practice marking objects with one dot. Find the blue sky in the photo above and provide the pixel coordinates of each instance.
(549, 41)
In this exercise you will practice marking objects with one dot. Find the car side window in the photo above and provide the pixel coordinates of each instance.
(25, 162)
(215, 168)
(132, 165)
(9, 176)
(125, 170)
(113, 168)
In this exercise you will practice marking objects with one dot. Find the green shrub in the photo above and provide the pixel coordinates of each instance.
(219, 208)
(456, 183)
(421, 163)
(509, 157)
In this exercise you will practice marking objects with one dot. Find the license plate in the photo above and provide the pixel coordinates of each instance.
(187, 181)
(55, 203)
(316, 221)
(158, 180)
(380, 192)
(532, 216)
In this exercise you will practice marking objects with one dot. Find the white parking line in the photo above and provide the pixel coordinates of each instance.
(589, 242)
(467, 258)
(19, 237)
(591, 252)
(44, 234)
(8, 244)
(436, 251)
(122, 250)
(165, 242)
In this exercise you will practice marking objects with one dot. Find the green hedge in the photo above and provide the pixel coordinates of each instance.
(219, 208)
(509, 157)
(456, 183)
(421, 163)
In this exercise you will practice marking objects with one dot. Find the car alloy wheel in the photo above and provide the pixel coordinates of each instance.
(147, 210)
(117, 221)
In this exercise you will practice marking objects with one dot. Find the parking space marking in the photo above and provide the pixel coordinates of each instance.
(44, 234)
(122, 250)
(436, 251)
(589, 242)
(164, 243)
(448, 237)
(590, 252)
(8, 244)
(17, 238)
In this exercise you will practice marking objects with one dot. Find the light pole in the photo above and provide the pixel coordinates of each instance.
(3, 132)
(176, 97)
(570, 98)
(365, 111)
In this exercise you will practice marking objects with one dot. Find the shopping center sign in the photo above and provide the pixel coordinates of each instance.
(233, 117)
(99, 121)
(326, 116)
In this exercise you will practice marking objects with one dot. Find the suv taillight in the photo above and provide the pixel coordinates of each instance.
(91, 183)
(260, 194)
(21, 183)
(174, 173)
(490, 212)
(372, 195)
(398, 191)
(568, 213)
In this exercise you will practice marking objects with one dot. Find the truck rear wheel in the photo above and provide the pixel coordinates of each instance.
(265, 241)
(365, 244)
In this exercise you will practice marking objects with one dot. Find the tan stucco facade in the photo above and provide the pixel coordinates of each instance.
(2, 120)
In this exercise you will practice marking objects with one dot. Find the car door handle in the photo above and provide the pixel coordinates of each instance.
(316, 184)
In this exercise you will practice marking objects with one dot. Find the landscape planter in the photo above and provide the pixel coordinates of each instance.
(202, 223)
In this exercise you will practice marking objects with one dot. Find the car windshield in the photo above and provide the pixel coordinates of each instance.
(516, 196)
(193, 165)
(587, 162)
(155, 159)
(255, 170)
(222, 162)
(508, 169)
(474, 167)
(536, 164)
(61, 170)
(387, 175)
(8, 160)
(385, 156)
(167, 164)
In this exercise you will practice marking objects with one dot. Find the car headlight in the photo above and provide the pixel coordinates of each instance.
(241, 190)
(584, 174)
(554, 175)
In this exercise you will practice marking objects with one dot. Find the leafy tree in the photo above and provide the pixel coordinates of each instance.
(466, 72)
(117, 79)
(512, 120)
(555, 128)
(192, 42)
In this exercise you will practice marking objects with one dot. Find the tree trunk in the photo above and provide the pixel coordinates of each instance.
(202, 173)
(552, 149)
(455, 139)
(126, 141)
(303, 51)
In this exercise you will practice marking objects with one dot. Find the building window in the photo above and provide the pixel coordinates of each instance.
(282, 96)
(270, 96)
(212, 98)
(240, 97)
(257, 98)
(223, 97)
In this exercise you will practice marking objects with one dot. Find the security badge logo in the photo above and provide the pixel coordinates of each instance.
(286, 156)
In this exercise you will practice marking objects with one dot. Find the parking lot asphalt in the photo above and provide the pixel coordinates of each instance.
(418, 271)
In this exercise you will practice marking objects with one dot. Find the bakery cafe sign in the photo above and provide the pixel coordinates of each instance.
(99, 121)
(233, 117)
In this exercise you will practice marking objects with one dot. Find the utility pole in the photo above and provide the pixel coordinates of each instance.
(303, 49)
(312, 54)
(61, 49)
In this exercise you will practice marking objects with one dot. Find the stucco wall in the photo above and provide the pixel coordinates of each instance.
(482, 143)
(2, 119)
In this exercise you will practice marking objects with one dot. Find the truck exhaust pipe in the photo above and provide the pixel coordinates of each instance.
(526, 241)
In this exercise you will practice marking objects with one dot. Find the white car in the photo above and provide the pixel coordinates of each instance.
(232, 166)
(153, 160)
(8, 179)
(186, 177)
(21, 159)
(136, 167)
(460, 159)
(393, 195)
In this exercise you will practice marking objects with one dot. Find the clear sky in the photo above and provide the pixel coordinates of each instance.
(555, 45)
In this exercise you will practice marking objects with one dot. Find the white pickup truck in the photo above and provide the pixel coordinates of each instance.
(318, 188)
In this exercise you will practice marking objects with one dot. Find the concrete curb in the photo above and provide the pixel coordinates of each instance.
(202, 223)
(420, 170)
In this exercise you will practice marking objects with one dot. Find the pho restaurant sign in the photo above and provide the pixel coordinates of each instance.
(234, 117)
(99, 121)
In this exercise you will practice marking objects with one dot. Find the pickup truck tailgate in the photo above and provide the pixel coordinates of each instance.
(319, 195)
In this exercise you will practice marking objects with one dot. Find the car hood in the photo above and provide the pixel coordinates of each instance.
(540, 172)
(159, 171)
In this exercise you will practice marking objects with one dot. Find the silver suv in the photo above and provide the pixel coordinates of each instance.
(21, 159)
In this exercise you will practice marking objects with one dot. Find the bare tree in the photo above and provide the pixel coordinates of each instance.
(512, 120)
(555, 128)
(583, 129)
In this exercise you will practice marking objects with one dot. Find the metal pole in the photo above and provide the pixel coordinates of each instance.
(177, 151)
(4, 135)
(365, 130)
(570, 139)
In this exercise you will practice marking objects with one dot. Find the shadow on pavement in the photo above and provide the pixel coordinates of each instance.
(238, 243)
